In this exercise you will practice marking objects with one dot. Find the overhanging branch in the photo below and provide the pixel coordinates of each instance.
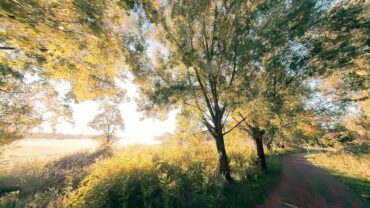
(236, 125)
(6, 48)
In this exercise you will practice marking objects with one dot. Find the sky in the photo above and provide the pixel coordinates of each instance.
(137, 130)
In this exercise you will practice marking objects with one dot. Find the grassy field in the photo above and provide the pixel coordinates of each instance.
(43, 183)
(167, 175)
(34, 150)
(352, 169)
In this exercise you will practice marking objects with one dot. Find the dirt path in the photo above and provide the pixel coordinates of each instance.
(304, 185)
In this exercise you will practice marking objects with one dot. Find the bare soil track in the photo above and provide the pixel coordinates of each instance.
(303, 185)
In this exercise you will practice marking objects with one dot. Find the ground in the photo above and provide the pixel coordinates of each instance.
(304, 185)
(301, 184)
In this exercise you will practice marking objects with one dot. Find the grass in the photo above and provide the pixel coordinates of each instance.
(169, 175)
(175, 176)
(352, 169)
(248, 193)
(45, 184)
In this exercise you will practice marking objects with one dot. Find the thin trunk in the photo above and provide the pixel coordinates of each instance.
(257, 135)
(108, 139)
(260, 152)
(224, 163)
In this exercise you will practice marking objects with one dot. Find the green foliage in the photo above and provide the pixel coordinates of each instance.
(93, 12)
(342, 51)
(344, 37)
(214, 53)
(357, 148)
(173, 176)
(73, 40)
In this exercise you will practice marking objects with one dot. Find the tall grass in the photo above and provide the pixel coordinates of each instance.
(173, 176)
(352, 169)
(43, 183)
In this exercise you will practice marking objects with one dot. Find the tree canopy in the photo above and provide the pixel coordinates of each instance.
(45, 42)
(218, 57)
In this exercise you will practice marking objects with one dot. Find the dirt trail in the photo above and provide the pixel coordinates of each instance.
(304, 185)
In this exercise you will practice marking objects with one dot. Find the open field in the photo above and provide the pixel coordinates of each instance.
(38, 149)
(50, 148)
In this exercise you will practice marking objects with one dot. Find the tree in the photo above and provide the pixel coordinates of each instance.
(200, 68)
(75, 41)
(218, 56)
(16, 105)
(347, 27)
(265, 119)
(108, 121)
(290, 56)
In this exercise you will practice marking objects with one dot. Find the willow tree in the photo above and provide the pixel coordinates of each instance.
(214, 55)
(265, 119)
(197, 67)
(276, 64)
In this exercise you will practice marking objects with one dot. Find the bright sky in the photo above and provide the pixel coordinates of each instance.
(136, 129)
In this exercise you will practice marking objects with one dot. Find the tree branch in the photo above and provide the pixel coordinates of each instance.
(6, 48)
(236, 125)
(355, 99)
(209, 105)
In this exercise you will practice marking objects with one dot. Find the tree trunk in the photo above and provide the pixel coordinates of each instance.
(108, 139)
(260, 151)
(224, 163)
